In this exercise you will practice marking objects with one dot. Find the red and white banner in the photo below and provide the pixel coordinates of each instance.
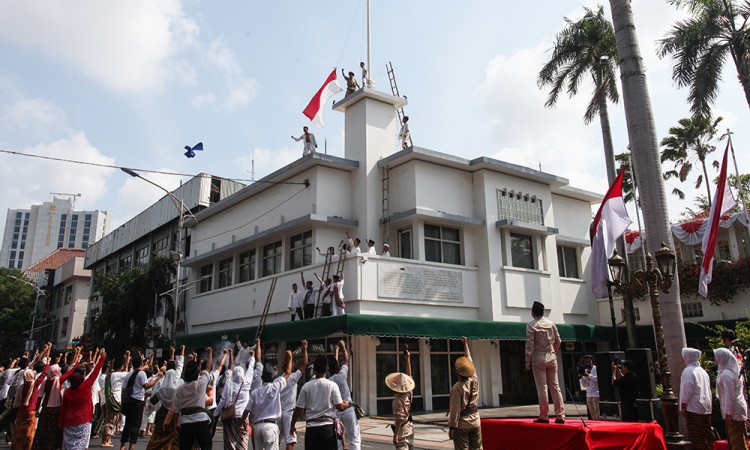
(691, 232)
(722, 204)
(610, 223)
(633, 240)
(314, 109)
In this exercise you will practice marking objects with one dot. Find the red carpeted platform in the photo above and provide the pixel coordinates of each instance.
(514, 434)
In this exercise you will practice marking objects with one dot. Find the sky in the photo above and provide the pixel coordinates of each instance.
(131, 83)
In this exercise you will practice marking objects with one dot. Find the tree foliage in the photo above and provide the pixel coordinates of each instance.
(583, 48)
(16, 310)
(728, 279)
(700, 45)
(691, 140)
(129, 303)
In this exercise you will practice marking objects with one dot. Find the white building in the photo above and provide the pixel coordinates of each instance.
(473, 244)
(32, 234)
(155, 231)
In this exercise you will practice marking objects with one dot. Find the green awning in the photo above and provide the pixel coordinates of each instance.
(400, 326)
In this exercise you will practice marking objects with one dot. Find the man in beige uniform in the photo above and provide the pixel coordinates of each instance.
(463, 417)
(403, 385)
(542, 343)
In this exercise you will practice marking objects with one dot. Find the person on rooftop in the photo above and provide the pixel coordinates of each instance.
(310, 143)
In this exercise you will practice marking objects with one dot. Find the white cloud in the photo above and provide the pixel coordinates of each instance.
(29, 181)
(35, 116)
(123, 45)
(240, 89)
(202, 100)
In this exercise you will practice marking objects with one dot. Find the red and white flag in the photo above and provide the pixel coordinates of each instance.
(314, 109)
(610, 223)
(722, 204)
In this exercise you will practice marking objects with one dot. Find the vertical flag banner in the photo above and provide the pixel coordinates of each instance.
(610, 223)
(722, 204)
(314, 109)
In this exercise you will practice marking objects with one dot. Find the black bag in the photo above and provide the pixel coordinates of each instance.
(127, 391)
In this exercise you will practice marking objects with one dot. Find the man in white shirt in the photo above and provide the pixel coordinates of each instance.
(133, 409)
(310, 298)
(590, 382)
(289, 396)
(339, 307)
(295, 302)
(695, 400)
(339, 374)
(243, 352)
(265, 407)
(353, 245)
(371, 247)
(189, 406)
(318, 401)
(310, 143)
(386, 250)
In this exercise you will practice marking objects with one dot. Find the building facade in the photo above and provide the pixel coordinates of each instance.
(31, 234)
(473, 243)
(155, 231)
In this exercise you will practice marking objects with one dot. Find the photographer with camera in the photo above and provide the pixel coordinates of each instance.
(624, 378)
(590, 382)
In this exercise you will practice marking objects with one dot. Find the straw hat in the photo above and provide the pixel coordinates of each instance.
(465, 367)
(399, 382)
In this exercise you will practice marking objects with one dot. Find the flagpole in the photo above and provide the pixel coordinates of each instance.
(739, 182)
(369, 47)
(637, 209)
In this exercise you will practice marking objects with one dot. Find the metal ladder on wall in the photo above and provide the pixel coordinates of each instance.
(394, 90)
(267, 306)
(326, 274)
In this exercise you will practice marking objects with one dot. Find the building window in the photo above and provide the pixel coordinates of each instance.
(111, 266)
(521, 251)
(207, 278)
(443, 356)
(442, 244)
(247, 266)
(692, 309)
(567, 261)
(300, 250)
(389, 358)
(161, 247)
(636, 313)
(519, 206)
(64, 330)
(68, 294)
(141, 257)
(126, 263)
(73, 231)
(272, 259)
(61, 234)
(225, 272)
(405, 244)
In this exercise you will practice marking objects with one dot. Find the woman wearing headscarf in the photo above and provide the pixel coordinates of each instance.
(729, 391)
(165, 437)
(695, 400)
(26, 400)
(237, 392)
(48, 435)
(77, 409)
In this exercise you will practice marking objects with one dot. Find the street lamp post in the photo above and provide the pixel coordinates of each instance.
(39, 293)
(657, 279)
(176, 255)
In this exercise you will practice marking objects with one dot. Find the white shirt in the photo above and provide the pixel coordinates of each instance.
(341, 381)
(243, 355)
(386, 253)
(289, 393)
(265, 402)
(371, 250)
(295, 300)
(115, 384)
(102, 377)
(138, 392)
(318, 397)
(354, 249)
(95, 390)
(729, 392)
(695, 390)
(229, 394)
(591, 383)
(215, 374)
(192, 395)
(5, 380)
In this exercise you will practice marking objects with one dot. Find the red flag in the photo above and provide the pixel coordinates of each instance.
(610, 223)
(722, 204)
(314, 109)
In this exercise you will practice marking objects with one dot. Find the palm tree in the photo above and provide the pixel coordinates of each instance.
(689, 141)
(700, 45)
(586, 48)
(643, 142)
